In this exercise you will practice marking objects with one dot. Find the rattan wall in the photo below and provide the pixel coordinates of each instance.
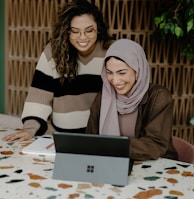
(28, 27)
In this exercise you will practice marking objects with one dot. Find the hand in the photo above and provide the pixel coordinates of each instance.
(21, 136)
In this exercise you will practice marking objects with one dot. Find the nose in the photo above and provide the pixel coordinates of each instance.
(115, 79)
(82, 35)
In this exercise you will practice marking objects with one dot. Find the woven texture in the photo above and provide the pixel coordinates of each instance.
(28, 28)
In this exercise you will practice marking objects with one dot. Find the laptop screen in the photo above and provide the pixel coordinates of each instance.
(90, 144)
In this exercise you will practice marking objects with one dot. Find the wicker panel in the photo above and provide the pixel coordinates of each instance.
(28, 28)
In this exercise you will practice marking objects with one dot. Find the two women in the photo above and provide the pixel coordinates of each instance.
(67, 79)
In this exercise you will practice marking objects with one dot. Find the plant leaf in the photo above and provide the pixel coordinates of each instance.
(157, 20)
(178, 31)
(189, 25)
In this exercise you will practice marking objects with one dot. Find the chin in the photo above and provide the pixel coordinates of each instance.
(120, 93)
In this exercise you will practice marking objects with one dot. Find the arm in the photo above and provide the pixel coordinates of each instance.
(38, 104)
(155, 130)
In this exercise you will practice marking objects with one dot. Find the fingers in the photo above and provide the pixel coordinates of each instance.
(17, 136)
(11, 137)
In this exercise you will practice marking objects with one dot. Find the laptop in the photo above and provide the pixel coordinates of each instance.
(92, 158)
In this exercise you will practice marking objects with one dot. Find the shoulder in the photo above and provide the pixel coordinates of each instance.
(46, 63)
(159, 91)
(157, 96)
(46, 54)
(48, 51)
(156, 100)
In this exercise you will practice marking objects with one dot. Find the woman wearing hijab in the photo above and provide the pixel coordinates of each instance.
(129, 105)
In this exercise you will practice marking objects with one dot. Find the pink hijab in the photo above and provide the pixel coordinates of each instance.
(112, 103)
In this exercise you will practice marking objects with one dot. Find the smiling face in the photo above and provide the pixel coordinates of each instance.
(121, 76)
(83, 34)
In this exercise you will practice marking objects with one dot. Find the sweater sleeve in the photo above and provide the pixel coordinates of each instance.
(38, 104)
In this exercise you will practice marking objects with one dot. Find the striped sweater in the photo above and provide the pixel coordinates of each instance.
(67, 105)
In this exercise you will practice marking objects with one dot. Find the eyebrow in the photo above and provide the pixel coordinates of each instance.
(91, 26)
(117, 70)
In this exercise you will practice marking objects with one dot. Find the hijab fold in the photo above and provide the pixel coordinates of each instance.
(112, 103)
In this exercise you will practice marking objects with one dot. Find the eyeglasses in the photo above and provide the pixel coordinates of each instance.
(76, 33)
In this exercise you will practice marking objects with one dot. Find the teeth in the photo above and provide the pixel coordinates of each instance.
(121, 86)
(83, 43)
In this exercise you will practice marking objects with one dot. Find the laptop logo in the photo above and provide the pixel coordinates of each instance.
(90, 169)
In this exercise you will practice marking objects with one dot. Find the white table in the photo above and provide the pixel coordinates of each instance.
(28, 176)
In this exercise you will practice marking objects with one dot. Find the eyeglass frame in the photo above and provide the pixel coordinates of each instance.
(79, 32)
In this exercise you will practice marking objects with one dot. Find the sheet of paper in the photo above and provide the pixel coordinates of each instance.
(41, 146)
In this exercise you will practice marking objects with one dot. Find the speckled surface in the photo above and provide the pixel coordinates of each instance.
(30, 176)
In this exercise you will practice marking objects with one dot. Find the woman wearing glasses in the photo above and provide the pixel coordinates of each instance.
(67, 76)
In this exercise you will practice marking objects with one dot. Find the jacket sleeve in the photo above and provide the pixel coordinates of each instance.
(155, 134)
(94, 118)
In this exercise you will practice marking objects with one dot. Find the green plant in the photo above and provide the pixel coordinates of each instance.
(176, 18)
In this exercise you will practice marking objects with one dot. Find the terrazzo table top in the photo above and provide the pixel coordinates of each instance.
(30, 176)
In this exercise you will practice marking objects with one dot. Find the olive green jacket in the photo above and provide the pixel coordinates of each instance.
(153, 130)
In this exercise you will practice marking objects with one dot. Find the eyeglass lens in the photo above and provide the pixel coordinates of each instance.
(89, 32)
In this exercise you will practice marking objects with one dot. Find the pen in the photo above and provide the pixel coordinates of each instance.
(49, 146)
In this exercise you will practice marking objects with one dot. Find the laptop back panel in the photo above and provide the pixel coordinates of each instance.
(91, 158)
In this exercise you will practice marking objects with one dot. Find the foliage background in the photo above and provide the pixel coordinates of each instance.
(175, 18)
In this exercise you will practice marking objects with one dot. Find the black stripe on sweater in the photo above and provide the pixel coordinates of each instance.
(81, 84)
